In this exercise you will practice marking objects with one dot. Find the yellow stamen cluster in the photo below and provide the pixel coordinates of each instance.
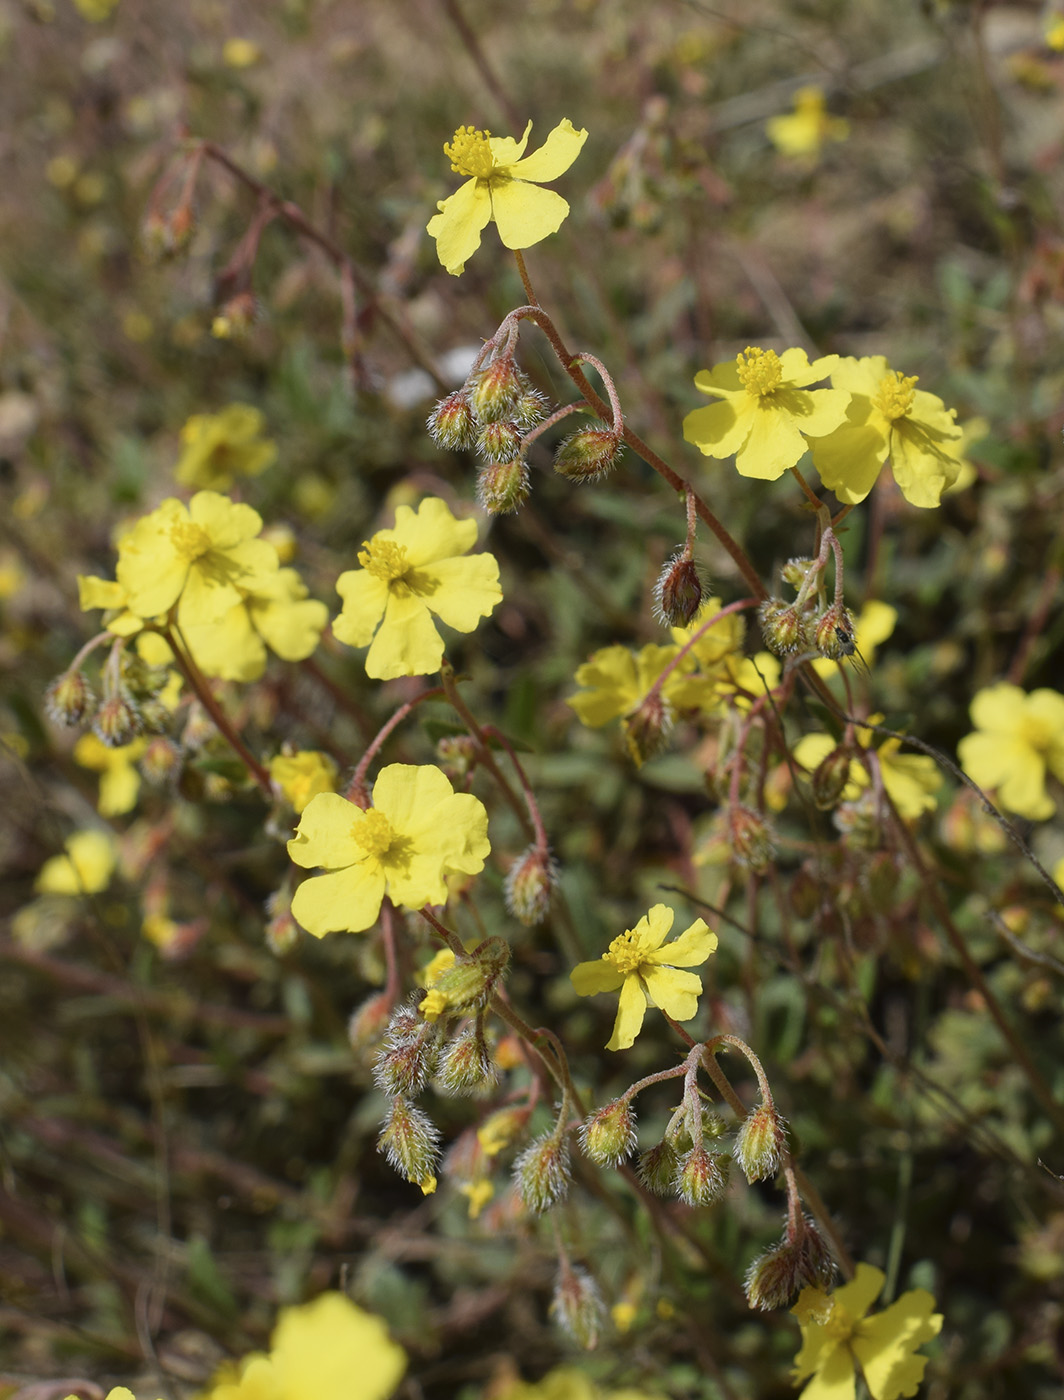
(191, 541)
(760, 370)
(894, 397)
(374, 834)
(626, 952)
(469, 152)
(384, 559)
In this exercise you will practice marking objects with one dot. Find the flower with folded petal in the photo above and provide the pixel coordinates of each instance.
(409, 573)
(417, 832)
(276, 612)
(645, 968)
(1019, 738)
(503, 186)
(765, 412)
(217, 446)
(887, 417)
(85, 867)
(839, 1338)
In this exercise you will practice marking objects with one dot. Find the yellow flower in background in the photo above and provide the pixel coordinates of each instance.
(646, 972)
(240, 53)
(276, 612)
(887, 417)
(1055, 32)
(218, 446)
(95, 11)
(85, 867)
(615, 680)
(301, 776)
(408, 574)
(109, 595)
(119, 779)
(204, 556)
(417, 832)
(766, 412)
(1019, 739)
(803, 131)
(839, 1339)
(875, 623)
(503, 186)
(911, 780)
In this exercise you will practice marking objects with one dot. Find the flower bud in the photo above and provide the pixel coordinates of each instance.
(647, 728)
(160, 760)
(457, 754)
(69, 699)
(760, 1144)
(530, 885)
(678, 591)
(409, 1141)
(503, 487)
(835, 631)
(451, 423)
(166, 235)
(367, 1024)
(494, 391)
(408, 1057)
(750, 837)
(466, 1066)
(117, 721)
(236, 315)
(468, 984)
(499, 442)
(578, 1306)
(542, 1173)
(783, 627)
(529, 408)
(588, 454)
(795, 571)
(702, 1176)
(830, 778)
(773, 1279)
(657, 1168)
(608, 1135)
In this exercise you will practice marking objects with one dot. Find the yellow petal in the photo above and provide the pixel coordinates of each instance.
(85, 867)
(326, 833)
(407, 643)
(99, 593)
(364, 599)
(526, 214)
(598, 975)
(674, 992)
(340, 900)
(719, 429)
(230, 648)
(773, 444)
(554, 157)
(630, 1012)
(330, 1349)
(466, 590)
(690, 949)
(458, 225)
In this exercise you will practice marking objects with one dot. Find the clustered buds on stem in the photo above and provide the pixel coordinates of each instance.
(588, 454)
(784, 627)
(503, 487)
(658, 1166)
(409, 1055)
(69, 699)
(800, 1260)
(836, 628)
(702, 1176)
(465, 1065)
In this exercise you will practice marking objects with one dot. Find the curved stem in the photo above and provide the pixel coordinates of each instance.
(484, 755)
(357, 786)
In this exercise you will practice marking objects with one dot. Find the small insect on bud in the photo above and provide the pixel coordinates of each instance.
(578, 1307)
(503, 487)
(783, 627)
(835, 631)
(608, 1135)
(466, 1066)
(160, 760)
(678, 591)
(542, 1173)
(368, 1022)
(795, 571)
(701, 1176)
(451, 423)
(647, 728)
(657, 1168)
(773, 1279)
(409, 1141)
(750, 837)
(69, 699)
(494, 391)
(530, 885)
(588, 455)
(409, 1055)
(499, 442)
(468, 984)
(760, 1144)
(830, 778)
(117, 721)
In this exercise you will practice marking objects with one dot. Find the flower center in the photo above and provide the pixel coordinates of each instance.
(760, 370)
(384, 559)
(191, 541)
(470, 153)
(374, 835)
(894, 397)
(839, 1325)
(1038, 732)
(626, 953)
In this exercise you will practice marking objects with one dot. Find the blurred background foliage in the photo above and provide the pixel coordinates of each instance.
(186, 1139)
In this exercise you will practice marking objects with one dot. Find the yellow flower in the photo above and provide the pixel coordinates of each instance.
(1019, 737)
(301, 776)
(765, 413)
(204, 554)
(119, 779)
(646, 972)
(479, 1194)
(503, 186)
(1055, 32)
(215, 446)
(109, 595)
(417, 831)
(803, 131)
(875, 623)
(838, 1338)
(615, 680)
(887, 417)
(911, 780)
(274, 611)
(407, 574)
(86, 866)
(240, 53)
(95, 11)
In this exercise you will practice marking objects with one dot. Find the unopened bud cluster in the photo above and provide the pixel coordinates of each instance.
(806, 625)
(69, 699)
(409, 1055)
(799, 1261)
(608, 1135)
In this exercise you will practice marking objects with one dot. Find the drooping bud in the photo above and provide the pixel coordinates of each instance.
(657, 1168)
(678, 591)
(750, 837)
(836, 628)
(530, 885)
(529, 408)
(282, 931)
(830, 778)
(451, 423)
(160, 760)
(468, 984)
(542, 1173)
(409, 1055)
(647, 728)
(795, 571)
(608, 1135)
(760, 1144)
(773, 1279)
(503, 487)
(578, 1306)
(409, 1141)
(466, 1066)
(587, 455)
(368, 1022)
(69, 699)
(457, 754)
(783, 627)
(702, 1176)
(117, 721)
(494, 391)
(499, 442)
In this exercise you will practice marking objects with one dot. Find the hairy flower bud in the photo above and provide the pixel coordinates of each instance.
(503, 487)
(830, 778)
(451, 423)
(160, 760)
(468, 984)
(166, 235)
(282, 931)
(409, 1141)
(785, 630)
(542, 1173)
(69, 699)
(499, 442)
(530, 884)
(647, 728)
(117, 721)
(608, 1135)
(835, 631)
(773, 1279)
(494, 391)
(529, 408)
(588, 454)
(578, 1306)
(657, 1168)
(795, 571)
(760, 1143)
(750, 838)
(457, 754)
(408, 1057)
(678, 591)
(466, 1066)
(702, 1176)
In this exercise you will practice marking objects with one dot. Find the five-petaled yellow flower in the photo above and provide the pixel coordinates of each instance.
(838, 1338)
(418, 831)
(301, 776)
(503, 186)
(276, 612)
(766, 412)
(217, 446)
(888, 417)
(1018, 739)
(119, 778)
(407, 574)
(646, 972)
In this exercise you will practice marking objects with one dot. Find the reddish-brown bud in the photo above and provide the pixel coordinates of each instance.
(830, 778)
(529, 408)
(117, 721)
(750, 837)
(451, 423)
(69, 699)
(503, 487)
(499, 442)
(657, 1168)
(608, 1135)
(678, 591)
(773, 1279)
(408, 1057)
(367, 1024)
(587, 455)
(647, 728)
(702, 1176)
(836, 628)
(530, 885)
